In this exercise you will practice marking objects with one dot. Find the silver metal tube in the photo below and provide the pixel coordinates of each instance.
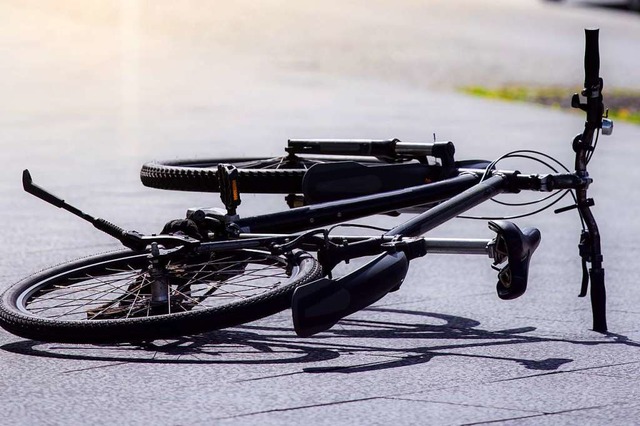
(458, 246)
(433, 245)
(336, 141)
(414, 148)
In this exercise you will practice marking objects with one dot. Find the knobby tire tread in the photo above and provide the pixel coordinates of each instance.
(188, 175)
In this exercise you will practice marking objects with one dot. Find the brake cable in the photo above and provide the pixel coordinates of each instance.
(521, 154)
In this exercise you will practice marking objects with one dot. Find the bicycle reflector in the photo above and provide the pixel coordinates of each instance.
(318, 305)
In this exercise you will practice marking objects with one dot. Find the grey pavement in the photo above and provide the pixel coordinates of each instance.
(92, 90)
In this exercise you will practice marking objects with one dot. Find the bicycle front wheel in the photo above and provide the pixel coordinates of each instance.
(108, 297)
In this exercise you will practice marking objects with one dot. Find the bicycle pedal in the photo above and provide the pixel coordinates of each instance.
(227, 175)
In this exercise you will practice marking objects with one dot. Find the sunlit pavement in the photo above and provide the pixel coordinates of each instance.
(92, 92)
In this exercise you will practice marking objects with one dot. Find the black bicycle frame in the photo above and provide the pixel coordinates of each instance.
(463, 192)
(316, 216)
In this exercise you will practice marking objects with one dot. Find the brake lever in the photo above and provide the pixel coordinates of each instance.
(584, 248)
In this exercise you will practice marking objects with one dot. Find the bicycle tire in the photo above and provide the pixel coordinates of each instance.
(264, 175)
(84, 301)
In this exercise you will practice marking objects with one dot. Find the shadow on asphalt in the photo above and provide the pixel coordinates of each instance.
(255, 344)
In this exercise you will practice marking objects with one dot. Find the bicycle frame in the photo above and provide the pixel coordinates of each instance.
(336, 299)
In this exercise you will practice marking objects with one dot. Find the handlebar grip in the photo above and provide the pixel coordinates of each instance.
(591, 58)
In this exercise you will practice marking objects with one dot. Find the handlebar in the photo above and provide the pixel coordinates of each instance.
(583, 145)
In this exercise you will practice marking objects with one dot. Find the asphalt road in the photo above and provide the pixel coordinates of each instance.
(90, 92)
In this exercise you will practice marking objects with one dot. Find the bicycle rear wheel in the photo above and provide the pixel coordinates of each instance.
(107, 298)
(268, 175)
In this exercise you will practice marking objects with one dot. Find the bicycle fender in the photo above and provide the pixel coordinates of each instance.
(320, 304)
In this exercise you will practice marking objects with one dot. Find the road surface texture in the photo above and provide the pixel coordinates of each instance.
(91, 90)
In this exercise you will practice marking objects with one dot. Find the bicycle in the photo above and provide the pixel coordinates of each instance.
(214, 269)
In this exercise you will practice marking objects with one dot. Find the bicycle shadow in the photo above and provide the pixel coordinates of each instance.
(258, 344)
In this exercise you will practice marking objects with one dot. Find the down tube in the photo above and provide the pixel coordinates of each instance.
(451, 208)
(318, 215)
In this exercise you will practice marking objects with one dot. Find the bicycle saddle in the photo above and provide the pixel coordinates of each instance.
(516, 247)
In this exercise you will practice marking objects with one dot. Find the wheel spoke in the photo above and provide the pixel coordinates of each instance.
(100, 297)
(121, 289)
